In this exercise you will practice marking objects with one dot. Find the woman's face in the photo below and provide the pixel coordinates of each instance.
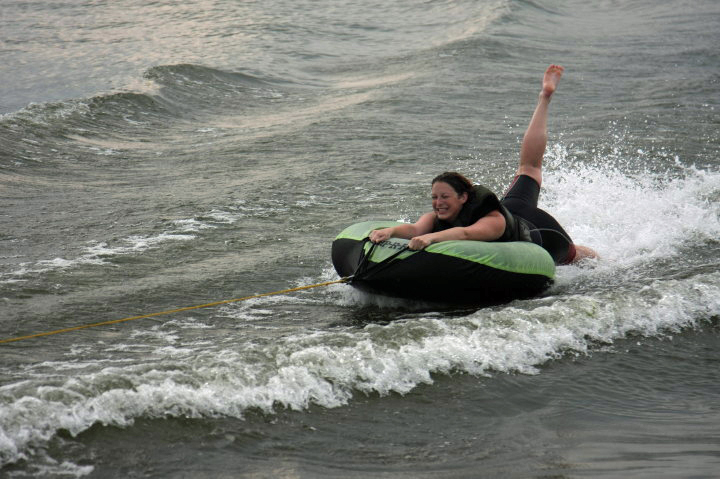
(446, 202)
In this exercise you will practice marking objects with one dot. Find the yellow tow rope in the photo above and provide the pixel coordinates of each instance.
(188, 308)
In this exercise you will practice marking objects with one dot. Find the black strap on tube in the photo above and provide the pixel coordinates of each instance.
(363, 270)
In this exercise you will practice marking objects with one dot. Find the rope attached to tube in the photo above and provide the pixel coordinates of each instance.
(179, 310)
(363, 270)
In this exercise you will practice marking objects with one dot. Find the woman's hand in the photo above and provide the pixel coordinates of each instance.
(421, 242)
(378, 236)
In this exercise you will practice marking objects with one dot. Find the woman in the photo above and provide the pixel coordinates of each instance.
(462, 211)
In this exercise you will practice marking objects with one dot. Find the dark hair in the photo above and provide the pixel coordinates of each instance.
(457, 181)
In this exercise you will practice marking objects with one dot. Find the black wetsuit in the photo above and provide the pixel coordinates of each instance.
(522, 199)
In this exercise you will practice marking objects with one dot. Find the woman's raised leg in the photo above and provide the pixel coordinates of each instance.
(535, 139)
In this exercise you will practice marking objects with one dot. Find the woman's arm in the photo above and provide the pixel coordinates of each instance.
(488, 228)
(410, 230)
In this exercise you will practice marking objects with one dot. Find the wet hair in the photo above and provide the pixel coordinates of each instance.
(457, 181)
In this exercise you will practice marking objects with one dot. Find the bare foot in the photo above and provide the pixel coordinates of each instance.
(551, 80)
(582, 252)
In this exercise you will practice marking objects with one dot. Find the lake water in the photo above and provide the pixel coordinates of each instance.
(161, 155)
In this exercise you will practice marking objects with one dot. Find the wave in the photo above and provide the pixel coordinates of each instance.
(173, 92)
(216, 376)
(168, 90)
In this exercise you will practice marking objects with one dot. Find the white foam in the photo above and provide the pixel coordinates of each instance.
(221, 216)
(191, 225)
(631, 216)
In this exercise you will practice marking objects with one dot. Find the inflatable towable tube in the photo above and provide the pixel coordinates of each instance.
(468, 272)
